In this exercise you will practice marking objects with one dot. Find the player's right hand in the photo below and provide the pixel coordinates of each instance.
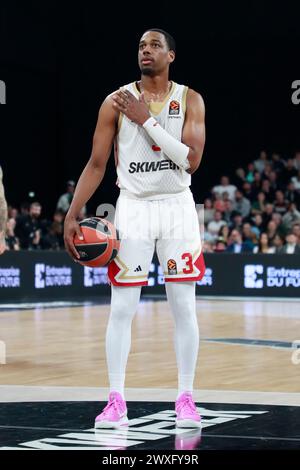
(71, 228)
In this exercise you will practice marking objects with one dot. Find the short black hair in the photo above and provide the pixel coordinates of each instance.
(169, 39)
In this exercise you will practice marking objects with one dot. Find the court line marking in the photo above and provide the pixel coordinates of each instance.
(267, 438)
(145, 298)
(259, 343)
(204, 434)
(40, 428)
(24, 393)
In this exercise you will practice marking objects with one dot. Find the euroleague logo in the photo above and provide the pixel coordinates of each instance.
(174, 108)
(172, 266)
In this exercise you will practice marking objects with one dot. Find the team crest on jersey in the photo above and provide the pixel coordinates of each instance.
(174, 108)
(172, 266)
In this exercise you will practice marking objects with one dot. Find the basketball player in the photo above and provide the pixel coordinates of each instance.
(159, 133)
(3, 215)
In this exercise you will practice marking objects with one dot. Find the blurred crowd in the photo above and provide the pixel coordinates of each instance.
(27, 229)
(254, 210)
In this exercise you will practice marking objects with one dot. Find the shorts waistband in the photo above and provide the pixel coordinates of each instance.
(158, 197)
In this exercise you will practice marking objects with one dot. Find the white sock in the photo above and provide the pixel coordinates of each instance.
(116, 383)
(182, 300)
(185, 383)
(124, 302)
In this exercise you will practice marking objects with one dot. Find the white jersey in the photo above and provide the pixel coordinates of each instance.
(143, 169)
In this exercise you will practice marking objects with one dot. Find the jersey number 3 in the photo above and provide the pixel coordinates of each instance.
(189, 262)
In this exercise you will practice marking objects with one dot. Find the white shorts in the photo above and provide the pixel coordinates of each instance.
(168, 225)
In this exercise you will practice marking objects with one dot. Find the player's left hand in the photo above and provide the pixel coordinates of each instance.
(136, 110)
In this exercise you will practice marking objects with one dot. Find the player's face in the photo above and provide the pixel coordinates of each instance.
(154, 55)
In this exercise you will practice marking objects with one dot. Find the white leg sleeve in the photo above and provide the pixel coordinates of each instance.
(182, 300)
(124, 302)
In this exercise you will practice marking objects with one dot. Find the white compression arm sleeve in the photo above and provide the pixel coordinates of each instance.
(175, 150)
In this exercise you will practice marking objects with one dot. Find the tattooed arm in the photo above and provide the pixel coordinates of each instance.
(3, 215)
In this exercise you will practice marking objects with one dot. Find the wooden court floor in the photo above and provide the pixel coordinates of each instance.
(66, 346)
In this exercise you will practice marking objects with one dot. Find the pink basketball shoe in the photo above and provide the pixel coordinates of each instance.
(187, 414)
(114, 414)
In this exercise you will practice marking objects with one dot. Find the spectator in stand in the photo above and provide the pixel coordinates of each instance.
(225, 186)
(214, 225)
(267, 170)
(208, 210)
(65, 199)
(220, 246)
(208, 247)
(296, 231)
(242, 204)
(268, 191)
(267, 215)
(257, 225)
(29, 227)
(250, 173)
(249, 236)
(237, 221)
(59, 217)
(271, 230)
(291, 216)
(288, 173)
(227, 212)
(296, 181)
(259, 205)
(208, 237)
(12, 242)
(291, 247)
(240, 178)
(263, 245)
(278, 242)
(273, 181)
(281, 229)
(224, 233)
(53, 240)
(236, 245)
(278, 163)
(291, 195)
(218, 202)
(280, 205)
(257, 182)
(247, 191)
(259, 164)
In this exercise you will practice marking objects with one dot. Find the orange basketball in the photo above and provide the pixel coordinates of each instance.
(100, 243)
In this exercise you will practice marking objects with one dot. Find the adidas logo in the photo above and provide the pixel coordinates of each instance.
(138, 269)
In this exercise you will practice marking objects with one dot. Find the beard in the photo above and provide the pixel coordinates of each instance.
(147, 71)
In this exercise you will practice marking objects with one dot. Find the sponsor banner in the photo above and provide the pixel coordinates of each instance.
(10, 277)
(45, 275)
(52, 276)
